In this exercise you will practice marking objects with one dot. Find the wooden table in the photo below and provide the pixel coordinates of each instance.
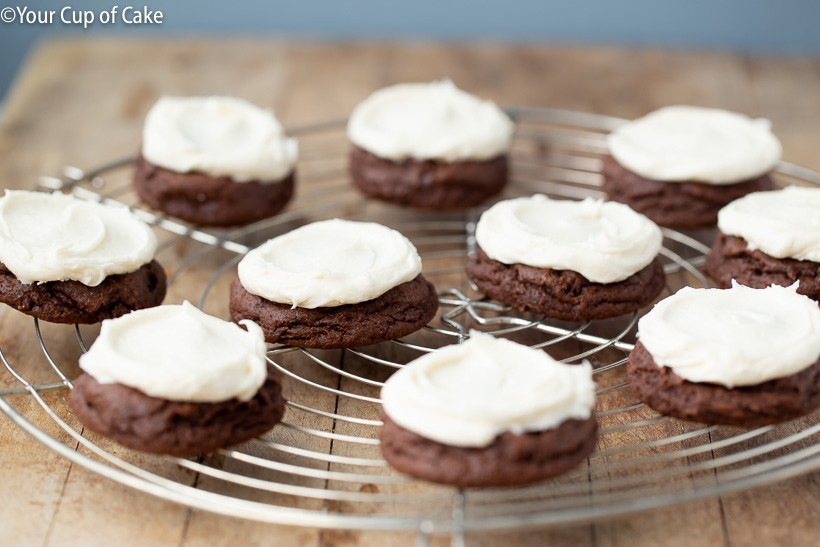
(81, 103)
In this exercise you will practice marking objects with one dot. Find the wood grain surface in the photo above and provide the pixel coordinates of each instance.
(83, 102)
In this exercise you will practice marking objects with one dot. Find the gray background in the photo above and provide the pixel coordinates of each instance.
(772, 27)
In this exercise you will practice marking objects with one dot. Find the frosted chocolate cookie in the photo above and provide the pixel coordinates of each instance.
(681, 164)
(429, 145)
(570, 260)
(174, 380)
(741, 356)
(334, 284)
(488, 412)
(214, 161)
(65, 260)
(769, 238)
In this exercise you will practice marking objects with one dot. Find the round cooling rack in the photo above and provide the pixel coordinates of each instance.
(321, 467)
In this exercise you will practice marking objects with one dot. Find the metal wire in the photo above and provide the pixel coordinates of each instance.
(322, 467)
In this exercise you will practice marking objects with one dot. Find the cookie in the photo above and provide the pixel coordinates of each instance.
(209, 201)
(771, 402)
(214, 161)
(160, 426)
(428, 184)
(400, 311)
(769, 237)
(571, 260)
(66, 260)
(511, 460)
(74, 302)
(488, 412)
(681, 205)
(174, 380)
(731, 259)
(334, 284)
(740, 356)
(429, 146)
(680, 164)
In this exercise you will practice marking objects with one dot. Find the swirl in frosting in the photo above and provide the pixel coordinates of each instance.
(606, 242)
(430, 121)
(689, 143)
(218, 136)
(330, 263)
(733, 337)
(179, 353)
(468, 394)
(782, 223)
(58, 237)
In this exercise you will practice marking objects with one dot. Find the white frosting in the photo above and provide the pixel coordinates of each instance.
(605, 242)
(468, 394)
(330, 263)
(57, 237)
(783, 223)
(429, 121)
(689, 143)
(219, 136)
(179, 353)
(733, 337)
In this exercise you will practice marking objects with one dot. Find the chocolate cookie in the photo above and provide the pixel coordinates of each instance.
(428, 184)
(209, 201)
(731, 258)
(771, 402)
(675, 204)
(403, 309)
(563, 294)
(510, 460)
(73, 302)
(160, 426)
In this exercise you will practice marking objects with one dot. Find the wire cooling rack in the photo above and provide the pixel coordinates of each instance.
(321, 467)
